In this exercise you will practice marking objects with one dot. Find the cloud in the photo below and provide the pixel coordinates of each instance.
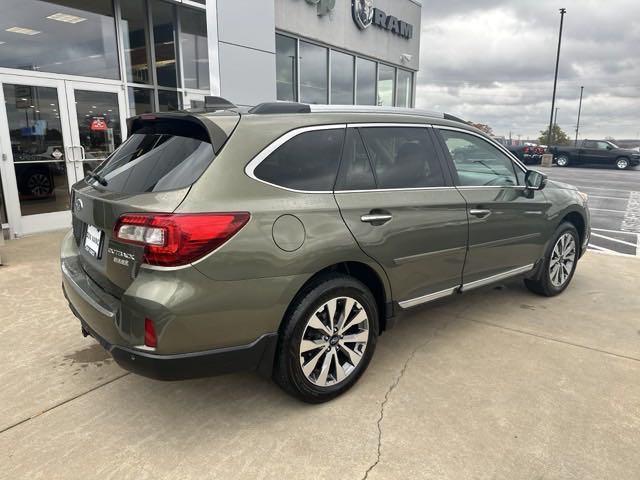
(492, 61)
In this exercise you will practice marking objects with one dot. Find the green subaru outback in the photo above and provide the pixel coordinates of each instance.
(286, 238)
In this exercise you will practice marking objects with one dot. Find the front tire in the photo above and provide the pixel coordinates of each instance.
(562, 161)
(559, 263)
(329, 336)
(622, 163)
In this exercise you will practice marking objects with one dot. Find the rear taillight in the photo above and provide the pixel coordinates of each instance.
(150, 337)
(171, 240)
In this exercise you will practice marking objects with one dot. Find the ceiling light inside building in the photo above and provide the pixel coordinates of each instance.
(2, 43)
(64, 17)
(23, 31)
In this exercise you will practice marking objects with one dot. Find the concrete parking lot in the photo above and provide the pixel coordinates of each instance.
(614, 202)
(497, 383)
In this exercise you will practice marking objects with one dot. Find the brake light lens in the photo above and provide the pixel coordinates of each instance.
(150, 338)
(171, 240)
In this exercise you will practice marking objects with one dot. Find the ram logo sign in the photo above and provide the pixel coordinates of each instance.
(365, 14)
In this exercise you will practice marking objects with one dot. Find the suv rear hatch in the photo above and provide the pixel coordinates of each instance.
(152, 172)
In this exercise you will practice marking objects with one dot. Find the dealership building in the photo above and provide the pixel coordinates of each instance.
(72, 71)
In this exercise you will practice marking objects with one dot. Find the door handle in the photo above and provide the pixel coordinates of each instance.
(480, 212)
(376, 218)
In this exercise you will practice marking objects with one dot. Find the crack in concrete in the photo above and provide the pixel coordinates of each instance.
(388, 393)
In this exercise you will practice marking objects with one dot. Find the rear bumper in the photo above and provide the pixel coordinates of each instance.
(257, 356)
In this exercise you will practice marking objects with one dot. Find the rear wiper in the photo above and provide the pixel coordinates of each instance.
(96, 176)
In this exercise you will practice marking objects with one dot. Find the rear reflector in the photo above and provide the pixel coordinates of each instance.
(171, 240)
(150, 338)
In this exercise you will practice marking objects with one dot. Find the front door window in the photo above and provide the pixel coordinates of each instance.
(38, 148)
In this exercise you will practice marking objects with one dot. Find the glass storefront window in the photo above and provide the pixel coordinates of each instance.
(193, 41)
(286, 82)
(313, 73)
(404, 89)
(168, 101)
(164, 38)
(134, 38)
(65, 36)
(341, 78)
(35, 130)
(365, 82)
(98, 125)
(140, 101)
(386, 79)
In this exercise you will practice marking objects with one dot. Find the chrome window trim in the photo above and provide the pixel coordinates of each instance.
(250, 168)
(387, 124)
(490, 141)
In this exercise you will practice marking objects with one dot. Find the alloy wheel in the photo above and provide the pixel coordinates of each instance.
(39, 185)
(622, 163)
(562, 161)
(334, 341)
(563, 258)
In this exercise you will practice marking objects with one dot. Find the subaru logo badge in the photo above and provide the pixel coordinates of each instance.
(78, 204)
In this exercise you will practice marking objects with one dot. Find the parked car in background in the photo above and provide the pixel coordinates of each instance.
(597, 152)
(529, 154)
(287, 238)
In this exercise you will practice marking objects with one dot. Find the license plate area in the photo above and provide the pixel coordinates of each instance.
(93, 241)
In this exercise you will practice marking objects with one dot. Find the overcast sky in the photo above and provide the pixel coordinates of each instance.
(492, 61)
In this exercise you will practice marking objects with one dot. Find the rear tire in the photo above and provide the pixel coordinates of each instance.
(559, 263)
(562, 161)
(321, 352)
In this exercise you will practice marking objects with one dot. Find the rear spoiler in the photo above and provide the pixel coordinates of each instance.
(215, 129)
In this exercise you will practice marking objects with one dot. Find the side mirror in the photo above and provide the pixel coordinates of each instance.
(535, 180)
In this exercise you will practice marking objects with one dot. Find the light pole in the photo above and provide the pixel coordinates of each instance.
(575, 144)
(555, 80)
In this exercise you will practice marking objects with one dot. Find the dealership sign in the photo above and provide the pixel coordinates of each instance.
(365, 14)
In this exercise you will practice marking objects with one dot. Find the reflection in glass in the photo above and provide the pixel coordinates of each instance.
(164, 27)
(313, 73)
(3, 210)
(365, 82)
(140, 101)
(65, 36)
(38, 152)
(168, 101)
(193, 40)
(286, 68)
(386, 76)
(134, 37)
(404, 89)
(341, 78)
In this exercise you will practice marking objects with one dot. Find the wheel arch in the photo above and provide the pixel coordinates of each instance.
(577, 220)
(376, 281)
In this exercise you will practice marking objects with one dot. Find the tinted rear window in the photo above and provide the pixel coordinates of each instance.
(156, 162)
(309, 161)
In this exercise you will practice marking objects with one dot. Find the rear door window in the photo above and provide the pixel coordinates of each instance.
(403, 157)
(355, 171)
(309, 161)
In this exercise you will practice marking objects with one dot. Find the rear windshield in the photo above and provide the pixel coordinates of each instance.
(149, 161)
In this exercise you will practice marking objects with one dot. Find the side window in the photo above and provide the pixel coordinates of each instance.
(477, 162)
(603, 146)
(355, 171)
(309, 161)
(589, 144)
(403, 157)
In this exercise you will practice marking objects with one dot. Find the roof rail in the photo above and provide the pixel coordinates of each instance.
(373, 109)
(280, 107)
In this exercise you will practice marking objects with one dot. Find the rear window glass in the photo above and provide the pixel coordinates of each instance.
(309, 161)
(156, 162)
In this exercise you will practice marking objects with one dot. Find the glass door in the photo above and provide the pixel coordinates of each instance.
(98, 123)
(37, 153)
